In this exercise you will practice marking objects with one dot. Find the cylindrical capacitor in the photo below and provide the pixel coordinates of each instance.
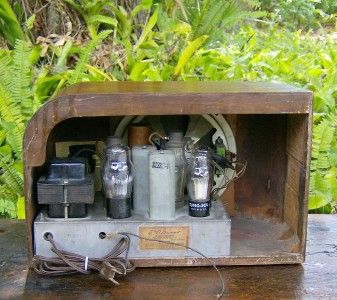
(141, 195)
(177, 143)
(138, 134)
(162, 184)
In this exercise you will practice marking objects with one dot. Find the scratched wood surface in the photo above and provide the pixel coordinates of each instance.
(314, 279)
(159, 98)
(80, 109)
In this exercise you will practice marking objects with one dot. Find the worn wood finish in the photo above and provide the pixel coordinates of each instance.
(159, 98)
(261, 141)
(92, 110)
(179, 87)
(314, 279)
(298, 152)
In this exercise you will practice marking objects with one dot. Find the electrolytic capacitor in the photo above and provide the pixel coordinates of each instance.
(141, 195)
(162, 184)
(177, 144)
(138, 134)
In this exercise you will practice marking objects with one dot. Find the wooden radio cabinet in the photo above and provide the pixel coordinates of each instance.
(272, 126)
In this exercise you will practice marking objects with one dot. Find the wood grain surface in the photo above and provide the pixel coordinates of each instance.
(159, 98)
(273, 121)
(314, 279)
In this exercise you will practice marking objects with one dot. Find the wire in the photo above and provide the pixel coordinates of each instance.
(158, 146)
(220, 295)
(82, 150)
(70, 263)
(235, 176)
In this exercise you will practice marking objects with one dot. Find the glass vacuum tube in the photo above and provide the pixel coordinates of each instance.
(199, 184)
(117, 179)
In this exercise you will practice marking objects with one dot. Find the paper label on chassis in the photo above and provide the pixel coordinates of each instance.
(174, 234)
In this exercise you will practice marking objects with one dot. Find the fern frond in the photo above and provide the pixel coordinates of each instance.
(11, 121)
(7, 205)
(9, 111)
(79, 72)
(212, 17)
(6, 71)
(322, 188)
(5, 193)
(21, 85)
(14, 136)
(10, 177)
(253, 4)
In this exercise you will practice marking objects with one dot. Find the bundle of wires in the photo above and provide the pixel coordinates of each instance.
(115, 263)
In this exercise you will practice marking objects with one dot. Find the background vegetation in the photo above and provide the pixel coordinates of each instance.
(48, 44)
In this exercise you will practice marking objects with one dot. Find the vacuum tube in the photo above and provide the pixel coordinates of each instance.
(117, 179)
(200, 183)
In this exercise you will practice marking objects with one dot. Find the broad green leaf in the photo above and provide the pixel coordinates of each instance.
(20, 208)
(186, 54)
(62, 59)
(143, 5)
(100, 75)
(147, 29)
(137, 70)
(182, 28)
(318, 200)
(97, 19)
(35, 54)
(152, 74)
(10, 27)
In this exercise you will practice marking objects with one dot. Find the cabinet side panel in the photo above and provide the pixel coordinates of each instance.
(261, 141)
(297, 181)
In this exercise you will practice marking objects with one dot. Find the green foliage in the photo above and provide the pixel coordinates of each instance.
(9, 25)
(213, 17)
(295, 58)
(94, 13)
(305, 14)
(327, 6)
(172, 40)
(323, 183)
(78, 73)
(24, 86)
(16, 107)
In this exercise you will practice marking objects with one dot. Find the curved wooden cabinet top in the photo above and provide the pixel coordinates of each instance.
(159, 98)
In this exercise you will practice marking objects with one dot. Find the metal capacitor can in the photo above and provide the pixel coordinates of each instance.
(141, 195)
(177, 143)
(200, 183)
(117, 180)
(162, 184)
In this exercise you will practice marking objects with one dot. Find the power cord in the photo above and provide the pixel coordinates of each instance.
(70, 263)
(108, 266)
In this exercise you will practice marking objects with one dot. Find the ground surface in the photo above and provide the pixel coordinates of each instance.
(315, 279)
